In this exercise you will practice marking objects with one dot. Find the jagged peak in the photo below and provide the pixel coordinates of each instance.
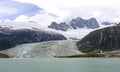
(93, 18)
(63, 23)
(54, 22)
(76, 23)
(79, 19)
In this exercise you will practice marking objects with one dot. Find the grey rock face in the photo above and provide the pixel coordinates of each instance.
(92, 23)
(62, 26)
(80, 23)
(76, 23)
(106, 23)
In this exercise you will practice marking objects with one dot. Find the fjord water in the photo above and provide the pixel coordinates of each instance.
(61, 65)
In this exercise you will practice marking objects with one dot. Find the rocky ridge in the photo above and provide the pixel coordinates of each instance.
(75, 24)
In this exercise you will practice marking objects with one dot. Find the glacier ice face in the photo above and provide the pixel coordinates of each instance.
(44, 49)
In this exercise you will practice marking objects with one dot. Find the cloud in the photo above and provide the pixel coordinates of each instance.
(103, 10)
(43, 18)
(22, 18)
(11, 9)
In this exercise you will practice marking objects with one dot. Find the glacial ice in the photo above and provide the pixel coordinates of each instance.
(43, 49)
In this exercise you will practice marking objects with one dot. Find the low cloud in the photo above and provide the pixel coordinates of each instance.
(43, 18)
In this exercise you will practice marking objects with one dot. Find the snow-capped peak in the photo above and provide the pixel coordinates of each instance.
(20, 25)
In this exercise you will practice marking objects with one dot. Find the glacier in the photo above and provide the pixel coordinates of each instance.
(44, 49)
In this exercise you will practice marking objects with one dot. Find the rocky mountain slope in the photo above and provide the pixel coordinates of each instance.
(43, 49)
(75, 23)
(106, 39)
(62, 26)
(107, 23)
(11, 37)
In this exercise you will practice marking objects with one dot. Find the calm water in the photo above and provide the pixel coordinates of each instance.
(61, 65)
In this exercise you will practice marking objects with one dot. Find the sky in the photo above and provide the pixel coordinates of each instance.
(9, 9)
(45, 11)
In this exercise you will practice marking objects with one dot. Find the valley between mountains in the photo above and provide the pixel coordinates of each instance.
(77, 38)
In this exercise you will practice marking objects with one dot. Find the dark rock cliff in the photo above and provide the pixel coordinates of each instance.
(106, 39)
(9, 38)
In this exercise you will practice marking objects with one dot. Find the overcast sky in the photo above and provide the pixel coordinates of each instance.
(102, 10)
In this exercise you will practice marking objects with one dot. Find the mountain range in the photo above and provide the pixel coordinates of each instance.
(75, 24)
(75, 29)
(15, 34)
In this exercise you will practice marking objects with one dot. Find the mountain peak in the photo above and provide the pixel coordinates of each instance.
(76, 23)
(62, 26)
(81, 23)
(92, 23)
(92, 18)
(79, 18)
